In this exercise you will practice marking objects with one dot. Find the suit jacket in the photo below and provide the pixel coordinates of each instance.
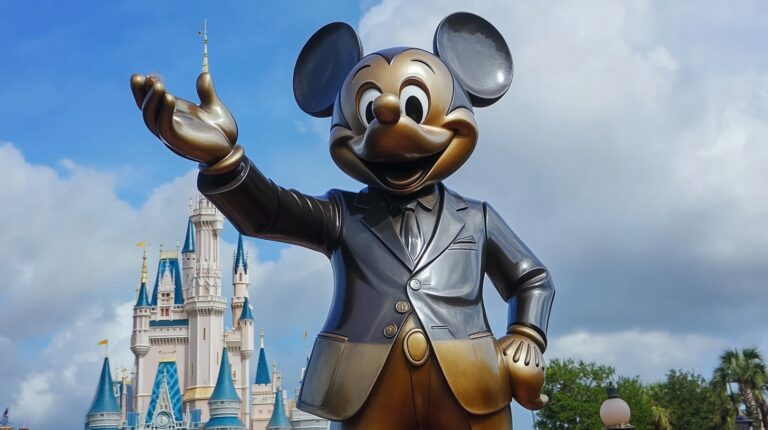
(373, 272)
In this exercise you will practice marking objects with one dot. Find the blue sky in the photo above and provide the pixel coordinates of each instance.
(629, 154)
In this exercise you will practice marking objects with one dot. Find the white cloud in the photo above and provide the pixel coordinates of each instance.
(648, 354)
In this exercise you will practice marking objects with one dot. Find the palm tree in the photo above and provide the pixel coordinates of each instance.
(660, 417)
(747, 368)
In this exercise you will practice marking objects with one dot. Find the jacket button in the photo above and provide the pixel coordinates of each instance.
(402, 306)
(415, 284)
(390, 330)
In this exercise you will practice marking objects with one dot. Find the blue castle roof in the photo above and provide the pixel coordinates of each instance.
(142, 301)
(104, 401)
(240, 260)
(246, 315)
(262, 369)
(168, 375)
(189, 240)
(278, 420)
(225, 388)
(172, 265)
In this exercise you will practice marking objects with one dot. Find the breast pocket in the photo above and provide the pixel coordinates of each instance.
(465, 243)
(323, 364)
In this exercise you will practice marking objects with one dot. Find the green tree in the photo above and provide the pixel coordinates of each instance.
(689, 399)
(747, 368)
(577, 389)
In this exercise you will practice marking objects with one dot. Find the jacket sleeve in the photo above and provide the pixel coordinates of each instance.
(257, 207)
(523, 282)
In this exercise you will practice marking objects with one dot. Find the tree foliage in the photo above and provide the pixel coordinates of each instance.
(683, 400)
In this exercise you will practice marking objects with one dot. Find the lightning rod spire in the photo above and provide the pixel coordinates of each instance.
(204, 34)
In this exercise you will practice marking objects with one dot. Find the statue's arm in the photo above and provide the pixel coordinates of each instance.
(258, 207)
(523, 282)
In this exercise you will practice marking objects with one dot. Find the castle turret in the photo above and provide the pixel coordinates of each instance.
(140, 343)
(204, 307)
(188, 257)
(245, 325)
(224, 403)
(278, 420)
(262, 393)
(105, 411)
(240, 280)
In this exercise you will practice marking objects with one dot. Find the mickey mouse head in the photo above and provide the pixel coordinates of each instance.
(402, 117)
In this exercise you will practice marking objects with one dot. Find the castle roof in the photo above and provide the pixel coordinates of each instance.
(104, 401)
(166, 394)
(169, 264)
(225, 388)
(240, 260)
(246, 314)
(189, 240)
(142, 301)
(262, 368)
(278, 420)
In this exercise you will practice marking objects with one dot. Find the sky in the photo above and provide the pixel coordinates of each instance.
(629, 154)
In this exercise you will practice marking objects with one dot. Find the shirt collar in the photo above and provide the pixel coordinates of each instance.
(426, 197)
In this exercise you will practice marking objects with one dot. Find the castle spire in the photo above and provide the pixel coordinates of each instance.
(204, 34)
(105, 412)
(189, 239)
(240, 258)
(262, 368)
(279, 421)
(224, 403)
(143, 300)
(247, 314)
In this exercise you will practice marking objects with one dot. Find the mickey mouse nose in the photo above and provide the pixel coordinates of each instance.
(386, 108)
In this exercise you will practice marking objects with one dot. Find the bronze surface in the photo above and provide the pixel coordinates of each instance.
(418, 129)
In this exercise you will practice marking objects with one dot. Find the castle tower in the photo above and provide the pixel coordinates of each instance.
(105, 412)
(224, 403)
(140, 343)
(188, 256)
(205, 308)
(245, 325)
(240, 280)
(278, 420)
(263, 393)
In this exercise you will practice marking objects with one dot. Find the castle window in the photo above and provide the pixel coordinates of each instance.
(203, 333)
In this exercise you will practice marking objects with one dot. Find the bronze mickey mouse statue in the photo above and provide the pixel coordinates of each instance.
(406, 344)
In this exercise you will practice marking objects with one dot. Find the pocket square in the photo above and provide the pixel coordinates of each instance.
(465, 240)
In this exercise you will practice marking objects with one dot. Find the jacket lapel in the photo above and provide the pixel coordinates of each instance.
(376, 218)
(449, 225)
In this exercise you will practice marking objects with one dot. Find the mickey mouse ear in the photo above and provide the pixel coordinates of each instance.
(477, 55)
(323, 64)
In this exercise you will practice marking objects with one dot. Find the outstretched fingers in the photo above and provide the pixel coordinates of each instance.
(151, 104)
(137, 88)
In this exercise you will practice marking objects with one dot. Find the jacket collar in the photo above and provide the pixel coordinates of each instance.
(449, 223)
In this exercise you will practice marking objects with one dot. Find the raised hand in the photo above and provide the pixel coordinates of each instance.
(523, 354)
(206, 133)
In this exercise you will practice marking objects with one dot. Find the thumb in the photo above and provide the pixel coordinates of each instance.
(206, 92)
(536, 404)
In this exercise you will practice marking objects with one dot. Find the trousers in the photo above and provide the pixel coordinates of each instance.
(412, 394)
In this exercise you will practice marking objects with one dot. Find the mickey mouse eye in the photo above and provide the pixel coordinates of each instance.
(414, 103)
(365, 105)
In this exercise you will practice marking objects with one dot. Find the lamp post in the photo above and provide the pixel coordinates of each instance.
(743, 423)
(615, 412)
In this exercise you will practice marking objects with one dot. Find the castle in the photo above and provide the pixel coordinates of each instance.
(190, 372)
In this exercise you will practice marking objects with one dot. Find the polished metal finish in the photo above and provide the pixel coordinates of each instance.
(390, 330)
(416, 347)
(477, 55)
(431, 353)
(402, 306)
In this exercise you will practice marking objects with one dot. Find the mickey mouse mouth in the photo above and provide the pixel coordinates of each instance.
(402, 174)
